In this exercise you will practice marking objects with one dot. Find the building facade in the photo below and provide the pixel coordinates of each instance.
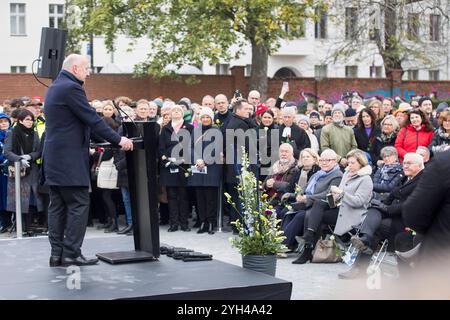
(310, 55)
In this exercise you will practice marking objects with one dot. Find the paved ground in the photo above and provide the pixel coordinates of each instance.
(310, 281)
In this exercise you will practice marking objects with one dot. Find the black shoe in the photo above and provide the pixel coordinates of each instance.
(203, 228)
(185, 228)
(305, 256)
(126, 229)
(79, 261)
(105, 226)
(4, 229)
(55, 261)
(112, 228)
(173, 228)
(210, 228)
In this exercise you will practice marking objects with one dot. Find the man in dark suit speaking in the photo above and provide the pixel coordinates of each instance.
(69, 122)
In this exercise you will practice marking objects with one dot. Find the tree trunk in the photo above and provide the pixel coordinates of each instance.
(390, 53)
(258, 76)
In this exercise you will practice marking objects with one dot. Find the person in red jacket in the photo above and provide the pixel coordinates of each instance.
(417, 131)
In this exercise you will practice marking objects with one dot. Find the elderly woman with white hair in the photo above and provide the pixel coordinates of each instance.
(354, 194)
(172, 168)
(315, 190)
(384, 218)
(205, 154)
(292, 133)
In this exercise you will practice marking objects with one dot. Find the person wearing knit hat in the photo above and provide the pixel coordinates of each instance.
(338, 107)
(328, 118)
(440, 108)
(158, 102)
(206, 111)
(337, 136)
(351, 118)
(302, 117)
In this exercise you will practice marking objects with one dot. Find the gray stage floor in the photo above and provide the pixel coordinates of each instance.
(24, 274)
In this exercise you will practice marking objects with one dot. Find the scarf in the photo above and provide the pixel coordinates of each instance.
(177, 124)
(281, 167)
(316, 177)
(442, 134)
(389, 168)
(386, 138)
(22, 139)
(339, 124)
(303, 180)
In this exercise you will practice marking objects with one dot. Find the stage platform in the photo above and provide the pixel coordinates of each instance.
(24, 274)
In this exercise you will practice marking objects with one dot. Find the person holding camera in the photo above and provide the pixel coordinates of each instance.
(23, 145)
(384, 218)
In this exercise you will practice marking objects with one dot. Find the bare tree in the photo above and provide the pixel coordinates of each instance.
(402, 32)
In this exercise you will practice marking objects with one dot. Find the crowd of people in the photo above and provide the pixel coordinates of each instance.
(367, 155)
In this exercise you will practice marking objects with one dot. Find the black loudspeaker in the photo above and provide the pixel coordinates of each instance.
(51, 52)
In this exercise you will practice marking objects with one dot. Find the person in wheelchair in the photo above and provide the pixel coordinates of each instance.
(345, 208)
(316, 190)
(384, 218)
(388, 174)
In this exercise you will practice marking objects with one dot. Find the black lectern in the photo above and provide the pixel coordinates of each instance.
(143, 185)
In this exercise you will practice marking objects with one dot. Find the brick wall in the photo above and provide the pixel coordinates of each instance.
(104, 86)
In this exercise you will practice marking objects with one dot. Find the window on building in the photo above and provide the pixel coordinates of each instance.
(433, 75)
(351, 23)
(298, 32)
(97, 69)
(376, 71)
(413, 74)
(18, 69)
(284, 73)
(351, 71)
(17, 19)
(413, 26)
(435, 27)
(222, 69)
(320, 71)
(320, 26)
(55, 15)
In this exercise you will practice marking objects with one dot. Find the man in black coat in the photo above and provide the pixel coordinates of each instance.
(427, 211)
(293, 134)
(239, 125)
(69, 121)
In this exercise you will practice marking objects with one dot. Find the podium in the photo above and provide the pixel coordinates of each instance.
(143, 185)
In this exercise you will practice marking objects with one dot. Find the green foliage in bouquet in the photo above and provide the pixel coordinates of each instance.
(259, 229)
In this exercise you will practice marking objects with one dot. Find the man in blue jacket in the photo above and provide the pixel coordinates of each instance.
(69, 123)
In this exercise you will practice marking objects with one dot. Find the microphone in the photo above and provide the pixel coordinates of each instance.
(120, 110)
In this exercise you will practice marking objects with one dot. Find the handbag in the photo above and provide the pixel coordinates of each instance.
(326, 251)
(107, 175)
